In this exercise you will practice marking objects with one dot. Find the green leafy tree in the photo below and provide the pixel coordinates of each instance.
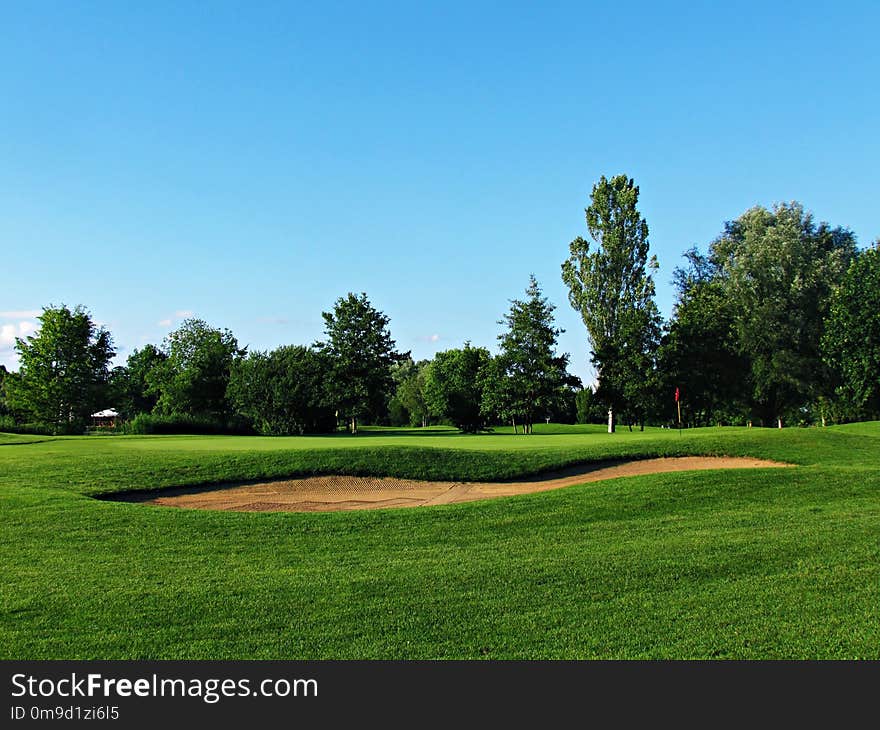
(529, 378)
(639, 352)
(193, 378)
(499, 398)
(409, 396)
(398, 413)
(361, 353)
(130, 387)
(779, 269)
(612, 288)
(564, 410)
(454, 386)
(589, 408)
(283, 392)
(4, 406)
(700, 354)
(63, 370)
(851, 341)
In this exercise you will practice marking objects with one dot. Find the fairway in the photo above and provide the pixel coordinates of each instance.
(749, 563)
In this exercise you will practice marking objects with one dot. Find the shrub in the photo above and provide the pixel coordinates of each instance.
(9, 425)
(179, 423)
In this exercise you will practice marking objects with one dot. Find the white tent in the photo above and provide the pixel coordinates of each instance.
(109, 413)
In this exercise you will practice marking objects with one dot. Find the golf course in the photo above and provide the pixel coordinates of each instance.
(721, 563)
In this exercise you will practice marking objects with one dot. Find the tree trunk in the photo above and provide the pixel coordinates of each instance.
(354, 425)
(779, 422)
(513, 423)
(823, 420)
(611, 423)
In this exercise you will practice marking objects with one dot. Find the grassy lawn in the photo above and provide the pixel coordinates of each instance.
(740, 564)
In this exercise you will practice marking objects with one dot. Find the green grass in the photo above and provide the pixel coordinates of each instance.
(742, 564)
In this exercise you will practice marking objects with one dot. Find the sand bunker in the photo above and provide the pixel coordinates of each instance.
(333, 493)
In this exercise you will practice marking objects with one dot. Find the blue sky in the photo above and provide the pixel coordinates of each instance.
(251, 162)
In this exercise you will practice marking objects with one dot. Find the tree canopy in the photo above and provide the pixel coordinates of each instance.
(63, 370)
(454, 386)
(851, 341)
(778, 322)
(193, 378)
(283, 392)
(528, 378)
(130, 383)
(700, 354)
(361, 353)
(612, 288)
(409, 395)
(778, 269)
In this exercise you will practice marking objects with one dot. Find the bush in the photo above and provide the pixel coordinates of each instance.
(179, 423)
(9, 425)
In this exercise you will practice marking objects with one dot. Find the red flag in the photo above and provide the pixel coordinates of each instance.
(676, 395)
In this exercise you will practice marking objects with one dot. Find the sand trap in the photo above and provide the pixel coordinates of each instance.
(333, 493)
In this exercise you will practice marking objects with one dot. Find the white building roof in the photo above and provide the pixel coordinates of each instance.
(109, 413)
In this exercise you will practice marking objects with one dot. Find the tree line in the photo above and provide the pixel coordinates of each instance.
(201, 380)
(777, 322)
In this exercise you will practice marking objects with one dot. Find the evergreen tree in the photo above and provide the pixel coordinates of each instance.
(530, 378)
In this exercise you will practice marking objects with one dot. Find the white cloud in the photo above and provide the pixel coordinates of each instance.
(178, 315)
(8, 332)
(21, 314)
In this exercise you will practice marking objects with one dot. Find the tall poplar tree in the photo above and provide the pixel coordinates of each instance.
(612, 288)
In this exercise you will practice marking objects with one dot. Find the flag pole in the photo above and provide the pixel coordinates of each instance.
(678, 405)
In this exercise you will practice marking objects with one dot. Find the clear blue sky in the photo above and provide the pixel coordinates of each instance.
(251, 162)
